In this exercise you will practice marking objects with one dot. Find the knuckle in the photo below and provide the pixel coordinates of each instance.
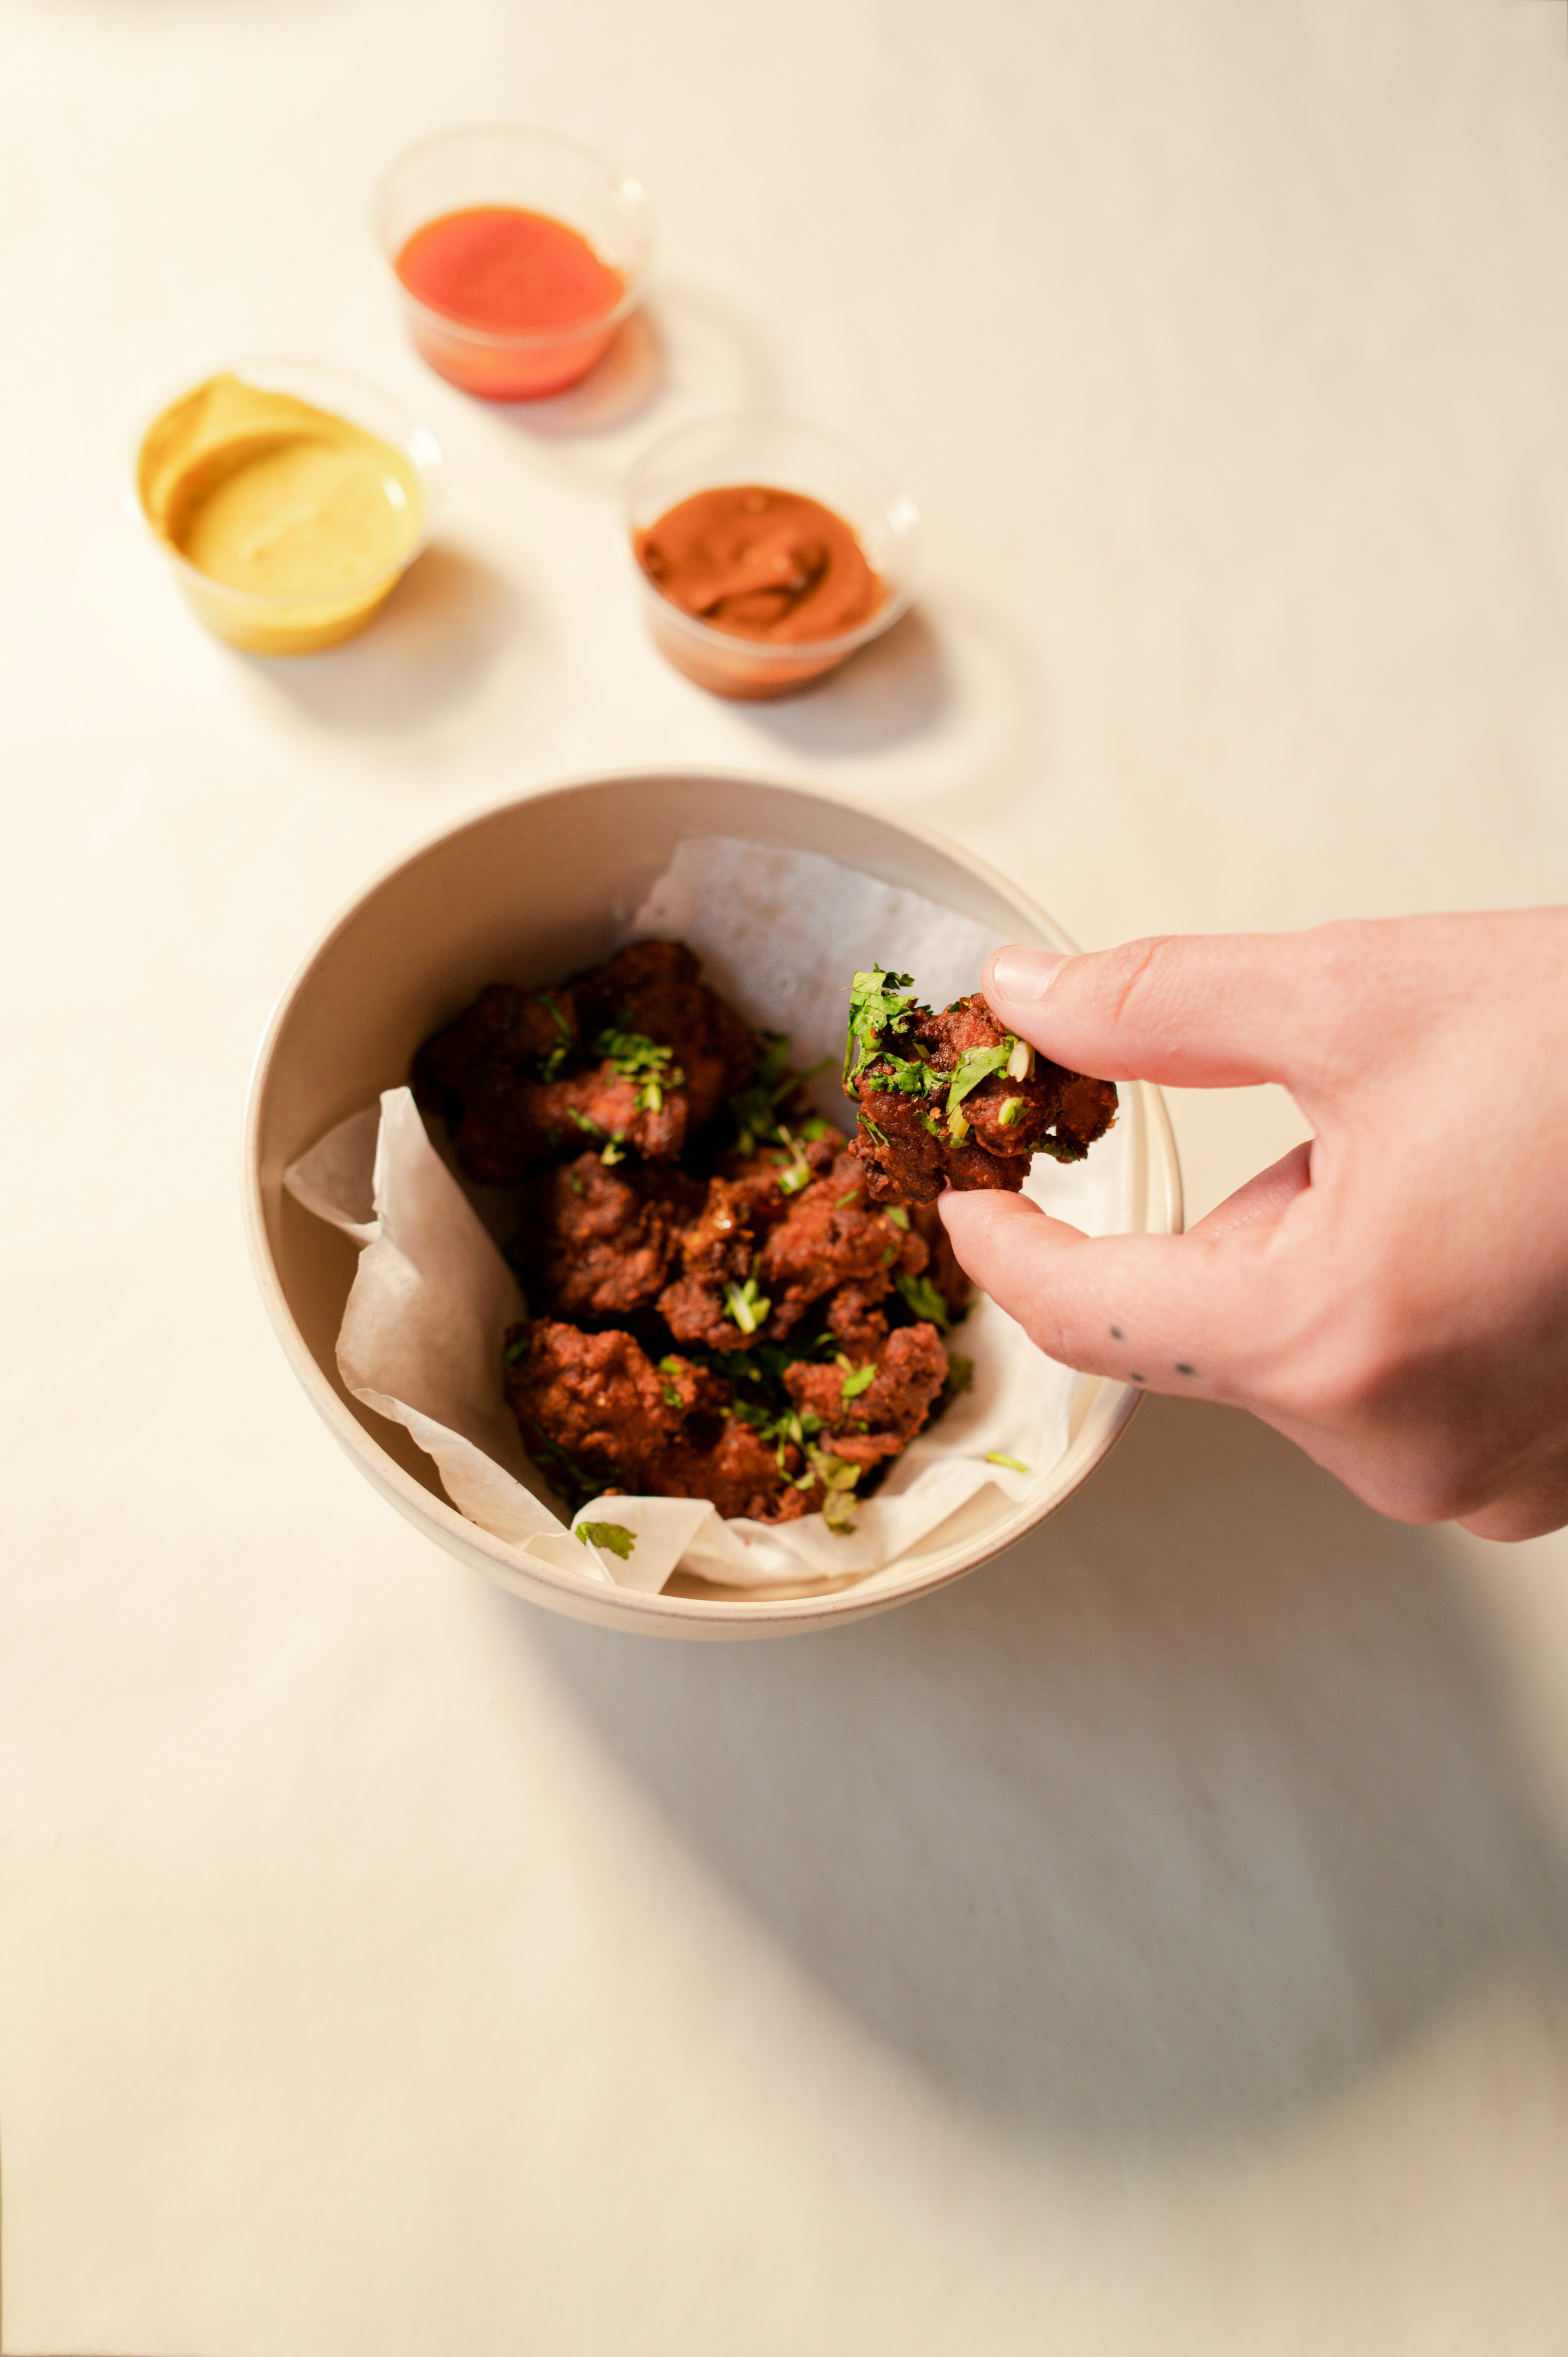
(1138, 984)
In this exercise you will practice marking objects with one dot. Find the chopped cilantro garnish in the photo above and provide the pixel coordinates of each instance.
(845, 1200)
(880, 1135)
(897, 1214)
(754, 1109)
(1013, 1464)
(576, 1485)
(858, 1380)
(832, 1472)
(1010, 1112)
(670, 1396)
(615, 1150)
(671, 1365)
(615, 1536)
(924, 1299)
(517, 1348)
(550, 1068)
(745, 1304)
(583, 1121)
(977, 1065)
(838, 1479)
(881, 1008)
(797, 1171)
(642, 1062)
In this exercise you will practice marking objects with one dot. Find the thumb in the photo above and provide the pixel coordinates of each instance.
(1171, 1313)
(1206, 1011)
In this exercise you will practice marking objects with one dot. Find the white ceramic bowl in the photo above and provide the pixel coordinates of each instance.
(529, 891)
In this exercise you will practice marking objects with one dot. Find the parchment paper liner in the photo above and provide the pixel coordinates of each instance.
(778, 933)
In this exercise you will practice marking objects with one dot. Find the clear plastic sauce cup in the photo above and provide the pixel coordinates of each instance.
(466, 313)
(785, 457)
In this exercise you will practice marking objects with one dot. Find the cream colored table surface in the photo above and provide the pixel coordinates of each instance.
(1158, 1943)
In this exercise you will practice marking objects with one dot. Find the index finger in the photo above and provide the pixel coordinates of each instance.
(1222, 1010)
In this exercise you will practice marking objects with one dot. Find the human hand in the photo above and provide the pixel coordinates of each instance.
(1393, 1295)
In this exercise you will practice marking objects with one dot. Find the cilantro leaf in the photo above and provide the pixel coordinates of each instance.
(975, 1066)
(748, 1308)
(754, 1109)
(641, 1060)
(882, 1008)
(614, 1537)
(924, 1299)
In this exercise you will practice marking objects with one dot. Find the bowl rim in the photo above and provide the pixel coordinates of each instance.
(419, 445)
(659, 1613)
(903, 514)
(622, 185)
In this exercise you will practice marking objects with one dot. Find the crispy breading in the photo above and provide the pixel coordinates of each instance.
(882, 1419)
(654, 990)
(638, 1055)
(955, 1099)
(598, 1244)
(598, 1414)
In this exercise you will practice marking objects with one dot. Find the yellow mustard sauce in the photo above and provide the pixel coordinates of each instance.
(310, 517)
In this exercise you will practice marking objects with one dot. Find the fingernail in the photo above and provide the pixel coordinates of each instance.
(1019, 972)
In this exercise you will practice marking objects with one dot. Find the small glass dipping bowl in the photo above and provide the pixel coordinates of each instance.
(775, 453)
(538, 172)
(303, 623)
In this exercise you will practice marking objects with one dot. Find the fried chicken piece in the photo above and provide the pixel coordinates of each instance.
(718, 1251)
(757, 1255)
(596, 1413)
(908, 1158)
(877, 1422)
(598, 1244)
(653, 991)
(638, 1053)
(739, 1472)
(595, 1401)
(475, 1071)
(492, 1076)
(955, 1099)
(856, 1324)
(1087, 1111)
(831, 1236)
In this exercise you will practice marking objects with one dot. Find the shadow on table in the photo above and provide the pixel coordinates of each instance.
(417, 669)
(897, 688)
(688, 353)
(1178, 1817)
(623, 384)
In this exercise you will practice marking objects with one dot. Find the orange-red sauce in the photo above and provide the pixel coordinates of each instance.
(508, 271)
(763, 563)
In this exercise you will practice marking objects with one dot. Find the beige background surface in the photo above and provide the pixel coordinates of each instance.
(1159, 1942)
